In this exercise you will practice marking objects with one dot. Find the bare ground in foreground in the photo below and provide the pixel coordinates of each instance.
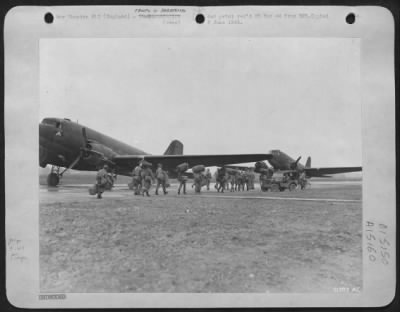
(126, 243)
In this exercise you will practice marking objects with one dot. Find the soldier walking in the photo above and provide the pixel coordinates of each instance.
(221, 179)
(102, 179)
(199, 178)
(233, 181)
(147, 177)
(240, 181)
(208, 178)
(181, 177)
(251, 179)
(161, 177)
(216, 185)
(137, 179)
(303, 180)
(246, 179)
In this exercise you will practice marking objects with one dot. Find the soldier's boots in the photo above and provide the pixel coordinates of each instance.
(99, 196)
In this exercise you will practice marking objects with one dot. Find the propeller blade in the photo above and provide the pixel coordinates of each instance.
(294, 164)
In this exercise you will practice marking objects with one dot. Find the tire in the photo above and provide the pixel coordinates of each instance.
(53, 179)
(292, 187)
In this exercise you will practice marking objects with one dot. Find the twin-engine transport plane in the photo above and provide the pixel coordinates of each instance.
(67, 144)
(282, 162)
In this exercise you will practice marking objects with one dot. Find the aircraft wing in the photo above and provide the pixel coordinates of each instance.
(323, 172)
(239, 167)
(170, 162)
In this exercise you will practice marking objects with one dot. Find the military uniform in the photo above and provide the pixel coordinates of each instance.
(232, 180)
(303, 180)
(251, 179)
(147, 179)
(216, 185)
(240, 181)
(102, 178)
(221, 180)
(208, 179)
(180, 169)
(199, 181)
(161, 177)
(182, 182)
(247, 178)
(137, 180)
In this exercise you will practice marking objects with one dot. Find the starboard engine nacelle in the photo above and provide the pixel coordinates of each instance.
(260, 167)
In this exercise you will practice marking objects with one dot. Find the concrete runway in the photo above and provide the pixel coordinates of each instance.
(252, 241)
(317, 192)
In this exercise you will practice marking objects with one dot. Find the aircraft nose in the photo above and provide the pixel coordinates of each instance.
(46, 133)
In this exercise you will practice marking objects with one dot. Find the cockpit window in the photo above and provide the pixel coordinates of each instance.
(55, 123)
(51, 122)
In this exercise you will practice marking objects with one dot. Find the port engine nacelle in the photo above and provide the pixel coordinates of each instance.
(97, 154)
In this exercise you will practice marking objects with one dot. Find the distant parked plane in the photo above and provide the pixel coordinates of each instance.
(282, 162)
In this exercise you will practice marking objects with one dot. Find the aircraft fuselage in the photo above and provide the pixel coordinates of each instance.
(282, 161)
(61, 142)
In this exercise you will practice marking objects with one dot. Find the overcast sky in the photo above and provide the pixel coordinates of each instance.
(216, 95)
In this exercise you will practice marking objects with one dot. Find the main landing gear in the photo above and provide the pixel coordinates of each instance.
(54, 176)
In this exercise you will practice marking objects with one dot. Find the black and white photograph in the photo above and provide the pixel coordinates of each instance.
(196, 161)
(224, 208)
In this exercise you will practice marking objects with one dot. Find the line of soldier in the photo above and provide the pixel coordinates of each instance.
(143, 178)
(234, 180)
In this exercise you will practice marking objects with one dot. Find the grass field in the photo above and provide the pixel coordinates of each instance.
(127, 243)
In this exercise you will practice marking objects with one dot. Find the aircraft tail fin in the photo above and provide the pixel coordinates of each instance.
(308, 163)
(174, 148)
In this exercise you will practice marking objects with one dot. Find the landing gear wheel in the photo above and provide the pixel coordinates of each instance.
(53, 179)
